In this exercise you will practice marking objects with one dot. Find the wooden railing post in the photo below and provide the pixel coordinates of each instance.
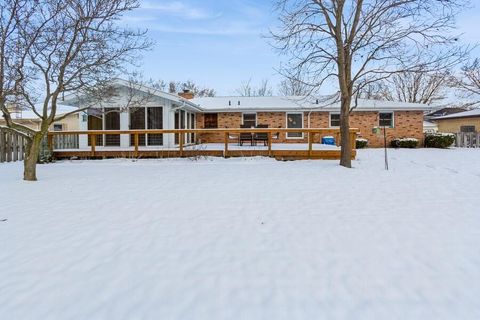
(136, 145)
(225, 151)
(93, 143)
(269, 143)
(309, 135)
(181, 135)
(353, 142)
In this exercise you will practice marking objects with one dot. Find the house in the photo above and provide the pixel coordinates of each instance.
(443, 112)
(30, 119)
(429, 127)
(467, 121)
(184, 111)
(400, 119)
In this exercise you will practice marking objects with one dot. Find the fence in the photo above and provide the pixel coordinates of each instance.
(12, 146)
(467, 140)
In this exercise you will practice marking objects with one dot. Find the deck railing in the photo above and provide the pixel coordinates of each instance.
(101, 136)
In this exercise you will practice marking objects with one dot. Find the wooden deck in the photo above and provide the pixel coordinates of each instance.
(193, 151)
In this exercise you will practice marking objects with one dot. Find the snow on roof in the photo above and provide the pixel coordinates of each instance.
(279, 103)
(30, 115)
(74, 98)
(466, 114)
(427, 124)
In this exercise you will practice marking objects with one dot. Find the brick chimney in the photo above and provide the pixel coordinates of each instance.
(187, 94)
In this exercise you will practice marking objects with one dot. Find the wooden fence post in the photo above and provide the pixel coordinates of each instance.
(9, 146)
(2, 146)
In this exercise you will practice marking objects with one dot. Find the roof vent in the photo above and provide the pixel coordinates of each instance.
(229, 102)
(316, 101)
(238, 102)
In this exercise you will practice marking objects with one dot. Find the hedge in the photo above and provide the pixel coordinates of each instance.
(439, 140)
(361, 143)
(404, 143)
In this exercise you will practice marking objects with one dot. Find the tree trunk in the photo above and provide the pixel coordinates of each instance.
(345, 143)
(31, 158)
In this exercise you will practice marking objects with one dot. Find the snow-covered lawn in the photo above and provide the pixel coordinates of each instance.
(243, 239)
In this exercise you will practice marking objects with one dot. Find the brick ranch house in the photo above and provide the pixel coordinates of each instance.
(184, 111)
(400, 119)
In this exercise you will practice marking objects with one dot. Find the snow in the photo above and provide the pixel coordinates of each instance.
(470, 113)
(292, 103)
(30, 114)
(244, 238)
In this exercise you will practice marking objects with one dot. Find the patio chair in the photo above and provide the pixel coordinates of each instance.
(261, 136)
(245, 136)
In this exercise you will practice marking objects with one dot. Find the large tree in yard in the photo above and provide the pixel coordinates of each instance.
(51, 48)
(359, 42)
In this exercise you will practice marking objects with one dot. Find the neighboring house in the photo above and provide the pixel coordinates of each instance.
(429, 127)
(443, 112)
(467, 121)
(171, 111)
(30, 119)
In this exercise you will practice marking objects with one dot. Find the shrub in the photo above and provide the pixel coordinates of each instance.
(361, 143)
(404, 143)
(439, 140)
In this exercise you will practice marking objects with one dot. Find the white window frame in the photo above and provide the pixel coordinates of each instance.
(330, 119)
(59, 124)
(254, 113)
(286, 125)
(393, 119)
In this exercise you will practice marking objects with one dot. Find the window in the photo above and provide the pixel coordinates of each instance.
(250, 119)
(155, 121)
(211, 120)
(467, 129)
(112, 122)
(58, 127)
(294, 120)
(137, 122)
(95, 122)
(385, 119)
(334, 119)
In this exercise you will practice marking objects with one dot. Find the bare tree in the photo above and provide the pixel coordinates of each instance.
(419, 86)
(377, 91)
(468, 81)
(68, 46)
(293, 87)
(359, 42)
(177, 86)
(247, 90)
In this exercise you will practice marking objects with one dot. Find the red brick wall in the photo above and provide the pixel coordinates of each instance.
(406, 124)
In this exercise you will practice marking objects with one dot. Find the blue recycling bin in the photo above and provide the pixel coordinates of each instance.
(328, 140)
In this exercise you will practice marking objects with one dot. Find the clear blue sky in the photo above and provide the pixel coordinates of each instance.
(220, 44)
